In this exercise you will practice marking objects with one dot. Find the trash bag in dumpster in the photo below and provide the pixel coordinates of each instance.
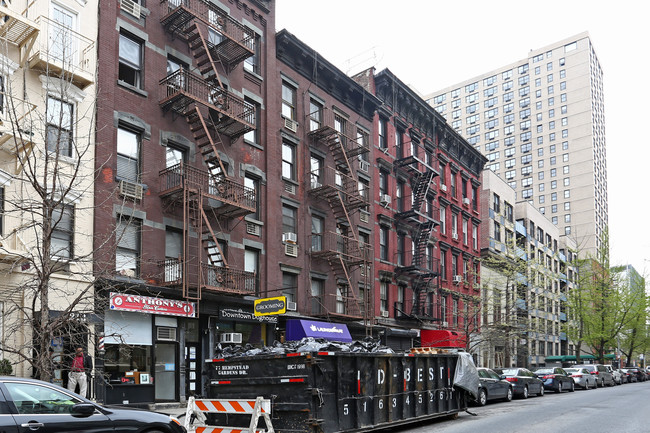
(466, 374)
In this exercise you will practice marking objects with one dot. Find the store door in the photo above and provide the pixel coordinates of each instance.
(192, 371)
(165, 378)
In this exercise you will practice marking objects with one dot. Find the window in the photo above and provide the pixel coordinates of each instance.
(288, 161)
(443, 219)
(59, 132)
(383, 183)
(289, 219)
(130, 53)
(383, 296)
(128, 155)
(401, 253)
(253, 135)
(454, 224)
(127, 254)
(381, 131)
(452, 183)
(316, 296)
(317, 232)
(475, 236)
(252, 63)
(497, 231)
(289, 286)
(383, 243)
(496, 203)
(30, 398)
(62, 239)
(253, 184)
(288, 101)
(465, 234)
(252, 266)
(443, 264)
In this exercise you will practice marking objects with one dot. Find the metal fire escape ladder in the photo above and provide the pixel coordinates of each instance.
(204, 139)
(199, 47)
(191, 264)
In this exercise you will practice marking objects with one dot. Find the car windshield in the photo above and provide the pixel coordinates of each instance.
(509, 371)
(544, 370)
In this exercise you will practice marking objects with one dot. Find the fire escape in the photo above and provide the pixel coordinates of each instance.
(208, 197)
(345, 195)
(419, 267)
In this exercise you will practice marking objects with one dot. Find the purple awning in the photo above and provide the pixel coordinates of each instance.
(298, 329)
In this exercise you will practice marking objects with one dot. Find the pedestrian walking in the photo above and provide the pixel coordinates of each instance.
(81, 365)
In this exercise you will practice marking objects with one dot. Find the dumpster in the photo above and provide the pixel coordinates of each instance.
(340, 391)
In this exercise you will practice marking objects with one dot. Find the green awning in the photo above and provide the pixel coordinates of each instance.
(569, 358)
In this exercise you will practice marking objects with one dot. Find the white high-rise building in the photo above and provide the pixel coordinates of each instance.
(541, 123)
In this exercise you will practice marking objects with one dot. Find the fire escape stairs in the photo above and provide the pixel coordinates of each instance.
(200, 50)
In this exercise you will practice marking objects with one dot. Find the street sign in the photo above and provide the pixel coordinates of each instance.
(270, 306)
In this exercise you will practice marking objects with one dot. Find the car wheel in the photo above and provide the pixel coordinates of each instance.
(573, 387)
(509, 395)
(525, 394)
(541, 391)
(482, 397)
(559, 388)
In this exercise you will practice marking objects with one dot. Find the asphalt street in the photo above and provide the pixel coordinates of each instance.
(622, 408)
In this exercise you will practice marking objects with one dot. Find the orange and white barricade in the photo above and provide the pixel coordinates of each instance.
(196, 409)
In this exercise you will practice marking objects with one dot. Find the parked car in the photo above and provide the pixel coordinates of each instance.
(603, 376)
(624, 376)
(556, 379)
(582, 377)
(525, 381)
(31, 404)
(616, 375)
(636, 371)
(631, 376)
(492, 387)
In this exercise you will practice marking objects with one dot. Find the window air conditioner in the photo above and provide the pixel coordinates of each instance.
(130, 7)
(454, 236)
(443, 187)
(384, 314)
(291, 125)
(445, 324)
(385, 199)
(291, 238)
(457, 279)
(253, 229)
(291, 306)
(231, 337)
(165, 333)
(364, 166)
(131, 189)
(466, 201)
(364, 217)
(291, 250)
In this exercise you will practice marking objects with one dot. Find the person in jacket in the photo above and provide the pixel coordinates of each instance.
(82, 365)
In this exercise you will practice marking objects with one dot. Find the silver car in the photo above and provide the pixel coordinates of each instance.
(582, 377)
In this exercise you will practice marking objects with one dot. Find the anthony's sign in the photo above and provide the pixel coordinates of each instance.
(270, 306)
(146, 304)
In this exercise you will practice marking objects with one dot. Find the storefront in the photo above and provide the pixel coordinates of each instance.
(151, 349)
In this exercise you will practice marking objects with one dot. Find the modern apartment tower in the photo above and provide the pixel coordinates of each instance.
(540, 121)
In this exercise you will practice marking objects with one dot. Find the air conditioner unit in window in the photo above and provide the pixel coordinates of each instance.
(443, 187)
(384, 314)
(291, 125)
(291, 306)
(454, 236)
(364, 166)
(231, 337)
(364, 217)
(130, 7)
(445, 324)
(457, 279)
(291, 250)
(290, 238)
(131, 189)
(384, 200)
(253, 229)
(466, 201)
(165, 333)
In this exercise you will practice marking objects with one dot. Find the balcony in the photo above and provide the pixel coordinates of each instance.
(226, 197)
(335, 186)
(229, 114)
(416, 262)
(327, 127)
(415, 217)
(61, 52)
(331, 244)
(18, 30)
(410, 310)
(17, 129)
(412, 158)
(229, 41)
(221, 279)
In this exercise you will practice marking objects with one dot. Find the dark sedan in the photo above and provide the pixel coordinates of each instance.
(525, 382)
(492, 387)
(33, 405)
(556, 379)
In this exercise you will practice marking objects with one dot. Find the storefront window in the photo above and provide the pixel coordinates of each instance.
(122, 360)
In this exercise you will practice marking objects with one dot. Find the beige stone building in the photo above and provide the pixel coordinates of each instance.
(47, 75)
(541, 123)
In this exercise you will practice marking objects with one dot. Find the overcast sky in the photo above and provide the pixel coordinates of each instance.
(432, 44)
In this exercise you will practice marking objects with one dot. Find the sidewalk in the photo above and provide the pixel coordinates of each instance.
(174, 409)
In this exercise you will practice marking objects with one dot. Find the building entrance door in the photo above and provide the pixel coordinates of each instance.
(165, 377)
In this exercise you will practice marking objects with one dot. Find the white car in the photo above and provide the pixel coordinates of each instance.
(582, 377)
(616, 375)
